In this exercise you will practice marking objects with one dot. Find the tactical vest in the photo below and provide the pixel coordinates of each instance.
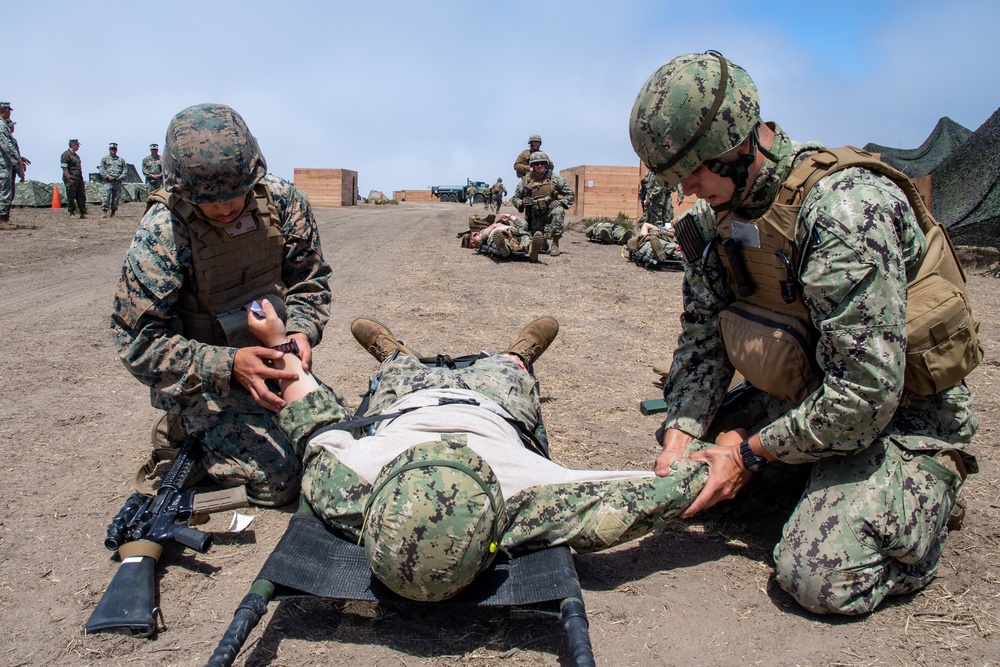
(232, 266)
(762, 267)
(542, 192)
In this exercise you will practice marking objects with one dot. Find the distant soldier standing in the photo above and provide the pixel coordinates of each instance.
(112, 170)
(521, 166)
(11, 165)
(72, 169)
(152, 169)
(544, 197)
(499, 192)
(658, 209)
(471, 193)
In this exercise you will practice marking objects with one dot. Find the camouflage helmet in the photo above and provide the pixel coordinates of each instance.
(434, 521)
(695, 108)
(210, 156)
(538, 156)
(535, 137)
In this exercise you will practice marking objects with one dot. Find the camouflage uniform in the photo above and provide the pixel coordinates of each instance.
(10, 168)
(548, 216)
(76, 192)
(498, 192)
(658, 208)
(871, 521)
(608, 231)
(521, 164)
(190, 379)
(152, 169)
(514, 239)
(655, 250)
(546, 504)
(112, 170)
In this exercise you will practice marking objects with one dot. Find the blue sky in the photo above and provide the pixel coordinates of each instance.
(413, 94)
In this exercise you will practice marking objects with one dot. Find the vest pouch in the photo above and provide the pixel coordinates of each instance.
(942, 336)
(234, 323)
(772, 351)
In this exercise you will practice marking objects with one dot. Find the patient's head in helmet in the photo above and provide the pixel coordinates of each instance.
(434, 521)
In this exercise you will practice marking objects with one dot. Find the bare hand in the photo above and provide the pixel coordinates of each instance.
(726, 474)
(674, 443)
(305, 350)
(270, 331)
(251, 370)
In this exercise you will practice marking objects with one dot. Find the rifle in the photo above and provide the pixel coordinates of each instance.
(139, 531)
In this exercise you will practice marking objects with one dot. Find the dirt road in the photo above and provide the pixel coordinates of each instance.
(74, 427)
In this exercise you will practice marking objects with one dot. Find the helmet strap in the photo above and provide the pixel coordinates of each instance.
(738, 171)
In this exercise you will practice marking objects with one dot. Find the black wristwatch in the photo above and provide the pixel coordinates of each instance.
(751, 461)
(291, 346)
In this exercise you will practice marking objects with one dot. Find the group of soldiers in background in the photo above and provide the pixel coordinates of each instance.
(12, 164)
(493, 197)
(113, 170)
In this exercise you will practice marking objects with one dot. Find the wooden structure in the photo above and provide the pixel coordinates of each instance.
(412, 195)
(603, 191)
(608, 191)
(328, 187)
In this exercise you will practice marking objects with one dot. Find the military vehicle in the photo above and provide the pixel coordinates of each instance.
(460, 193)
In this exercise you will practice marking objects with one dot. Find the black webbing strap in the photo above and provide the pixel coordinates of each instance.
(310, 560)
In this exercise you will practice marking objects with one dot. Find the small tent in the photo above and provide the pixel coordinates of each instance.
(131, 175)
(916, 162)
(966, 188)
(32, 193)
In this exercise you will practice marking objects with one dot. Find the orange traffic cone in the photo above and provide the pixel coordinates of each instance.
(55, 198)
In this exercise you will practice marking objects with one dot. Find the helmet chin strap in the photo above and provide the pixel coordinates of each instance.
(738, 171)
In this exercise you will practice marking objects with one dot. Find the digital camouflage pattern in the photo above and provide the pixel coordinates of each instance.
(857, 236)
(10, 168)
(608, 231)
(152, 170)
(504, 242)
(194, 379)
(674, 104)
(587, 516)
(655, 250)
(521, 166)
(210, 156)
(549, 211)
(659, 207)
(76, 194)
(434, 521)
(112, 170)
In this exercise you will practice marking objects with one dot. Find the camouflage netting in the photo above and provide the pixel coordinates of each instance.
(131, 175)
(965, 188)
(916, 162)
(32, 193)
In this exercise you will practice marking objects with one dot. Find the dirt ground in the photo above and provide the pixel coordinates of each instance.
(74, 427)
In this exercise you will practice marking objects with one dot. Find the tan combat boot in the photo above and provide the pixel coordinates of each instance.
(537, 240)
(376, 338)
(104, 213)
(554, 246)
(534, 339)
